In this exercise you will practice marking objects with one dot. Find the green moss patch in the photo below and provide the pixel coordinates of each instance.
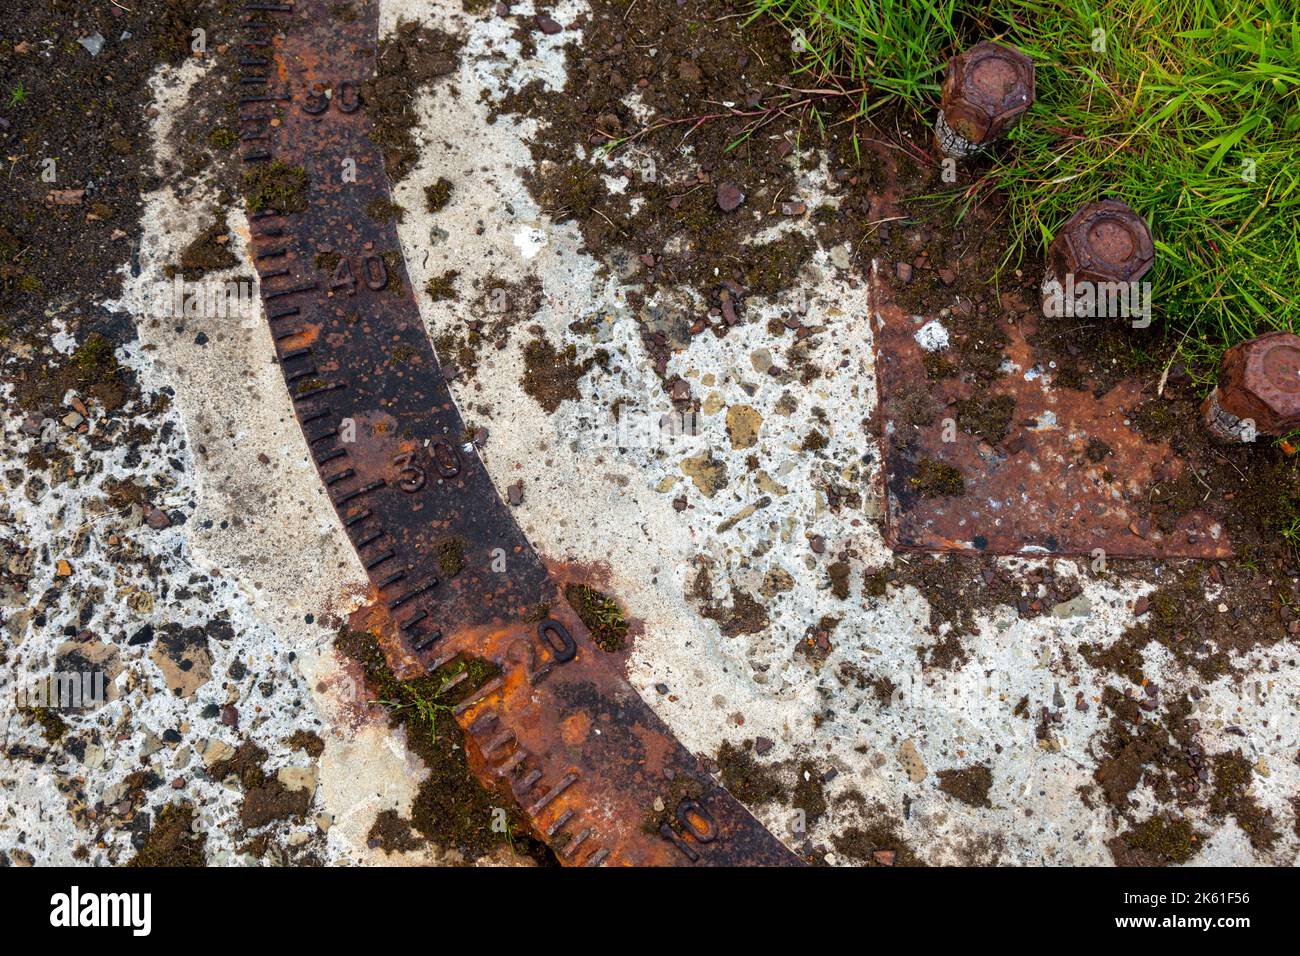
(935, 480)
(275, 185)
(1157, 841)
(600, 613)
(450, 554)
(442, 287)
(53, 727)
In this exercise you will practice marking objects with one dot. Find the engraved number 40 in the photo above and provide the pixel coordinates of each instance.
(372, 269)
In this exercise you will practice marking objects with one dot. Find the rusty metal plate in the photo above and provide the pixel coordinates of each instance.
(1037, 491)
(560, 731)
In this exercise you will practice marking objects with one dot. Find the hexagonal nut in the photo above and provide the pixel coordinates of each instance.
(1105, 241)
(1260, 380)
(987, 89)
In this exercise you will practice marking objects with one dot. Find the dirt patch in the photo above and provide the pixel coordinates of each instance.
(745, 778)
(1143, 747)
(266, 798)
(1232, 779)
(209, 252)
(714, 220)
(92, 371)
(745, 614)
(1251, 607)
(409, 58)
(970, 785)
(809, 792)
(77, 123)
(308, 742)
(877, 842)
(392, 833)
(171, 840)
(550, 376)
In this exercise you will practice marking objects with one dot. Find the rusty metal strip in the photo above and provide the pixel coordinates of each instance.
(1036, 492)
(560, 730)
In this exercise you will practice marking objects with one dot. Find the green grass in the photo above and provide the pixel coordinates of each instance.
(1183, 102)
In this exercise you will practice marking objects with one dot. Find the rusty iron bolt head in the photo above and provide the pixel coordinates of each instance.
(1104, 241)
(1258, 391)
(987, 89)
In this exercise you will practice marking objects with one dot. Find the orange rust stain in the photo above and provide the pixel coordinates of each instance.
(308, 335)
(575, 729)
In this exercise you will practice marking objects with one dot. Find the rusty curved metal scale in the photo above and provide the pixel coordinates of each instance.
(560, 730)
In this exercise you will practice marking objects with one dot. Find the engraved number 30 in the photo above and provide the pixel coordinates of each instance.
(347, 98)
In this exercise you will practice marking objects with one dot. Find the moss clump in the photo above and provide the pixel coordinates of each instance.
(746, 779)
(461, 352)
(1156, 841)
(172, 840)
(770, 268)
(438, 195)
(394, 265)
(223, 137)
(937, 367)
(94, 358)
(451, 557)
(989, 419)
(934, 479)
(441, 287)
(382, 209)
(277, 186)
(600, 613)
(53, 727)
(1232, 779)
(452, 809)
(1096, 451)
